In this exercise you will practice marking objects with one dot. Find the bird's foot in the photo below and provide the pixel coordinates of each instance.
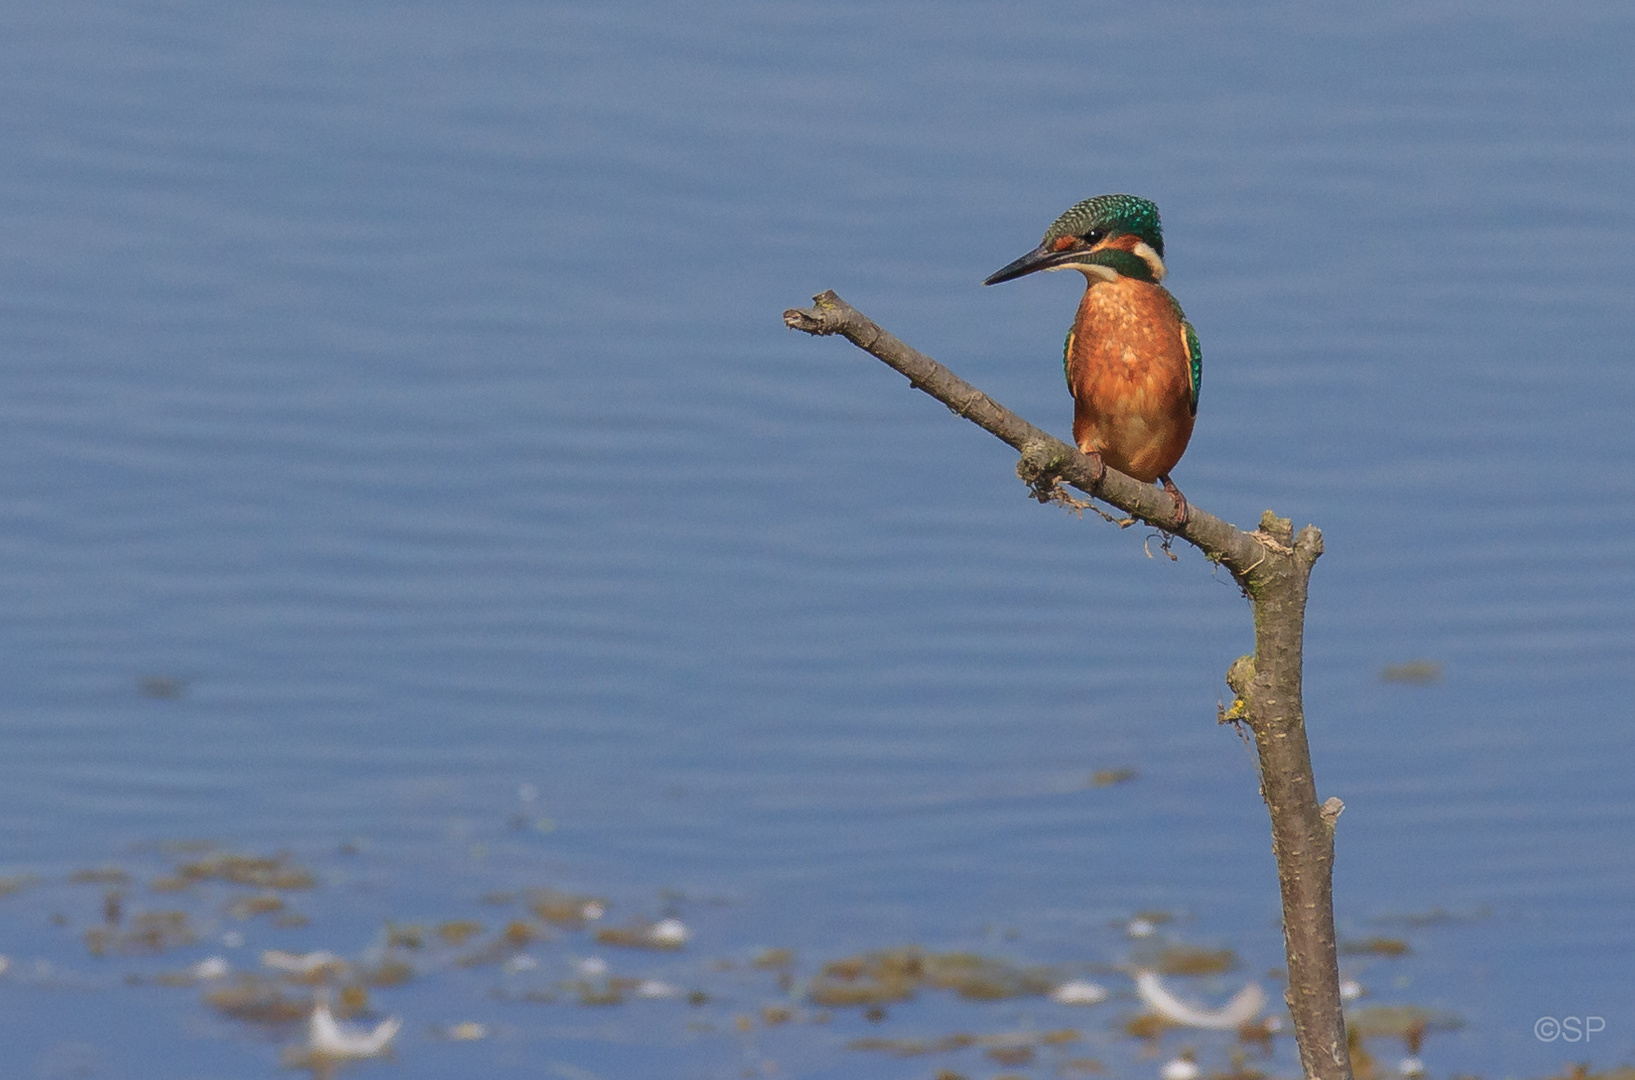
(1180, 501)
(1101, 466)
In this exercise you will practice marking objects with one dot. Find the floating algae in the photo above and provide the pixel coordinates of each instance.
(275, 872)
(258, 999)
(1375, 946)
(101, 875)
(392, 971)
(248, 907)
(516, 936)
(1399, 1021)
(566, 910)
(1011, 1055)
(1413, 673)
(10, 886)
(773, 959)
(768, 991)
(879, 978)
(1005, 1048)
(457, 931)
(1190, 960)
(666, 934)
(147, 933)
(313, 967)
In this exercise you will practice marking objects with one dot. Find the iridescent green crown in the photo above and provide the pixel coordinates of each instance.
(1112, 214)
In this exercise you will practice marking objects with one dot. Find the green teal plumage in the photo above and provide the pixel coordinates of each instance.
(1195, 353)
(1123, 263)
(1113, 213)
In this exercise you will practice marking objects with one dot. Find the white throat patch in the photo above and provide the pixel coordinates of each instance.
(1093, 272)
(1150, 257)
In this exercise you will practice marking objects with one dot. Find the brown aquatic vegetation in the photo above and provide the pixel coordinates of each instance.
(353, 1000)
(611, 992)
(10, 886)
(391, 971)
(258, 1000)
(1259, 1034)
(1409, 1023)
(148, 932)
(773, 959)
(1011, 1055)
(516, 936)
(1191, 960)
(666, 935)
(101, 875)
(313, 969)
(1400, 1021)
(1149, 1027)
(869, 980)
(247, 907)
(1239, 1072)
(913, 1047)
(566, 910)
(1375, 946)
(275, 872)
(878, 978)
(1413, 673)
(1007, 1048)
(1436, 916)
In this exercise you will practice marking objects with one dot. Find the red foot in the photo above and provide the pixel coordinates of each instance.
(1101, 466)
(1180, 501)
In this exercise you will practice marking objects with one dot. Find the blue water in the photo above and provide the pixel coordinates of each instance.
(408, 381)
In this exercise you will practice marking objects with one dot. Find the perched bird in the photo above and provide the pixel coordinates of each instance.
(1132, 360)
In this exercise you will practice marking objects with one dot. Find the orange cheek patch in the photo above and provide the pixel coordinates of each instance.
(1063, 243)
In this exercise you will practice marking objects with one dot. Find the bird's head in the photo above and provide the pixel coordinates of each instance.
(1107, 237)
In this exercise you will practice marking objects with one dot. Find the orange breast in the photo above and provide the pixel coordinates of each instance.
(1127, 367)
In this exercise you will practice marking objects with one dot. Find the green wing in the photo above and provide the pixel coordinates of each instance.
(1195, 352)
(1195, 370)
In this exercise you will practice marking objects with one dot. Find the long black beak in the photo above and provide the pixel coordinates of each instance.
(1040, 258)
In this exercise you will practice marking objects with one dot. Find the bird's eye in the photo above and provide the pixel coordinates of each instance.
(1093, 236)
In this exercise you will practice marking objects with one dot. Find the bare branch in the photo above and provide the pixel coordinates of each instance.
(1274, 567)
(1044, 457)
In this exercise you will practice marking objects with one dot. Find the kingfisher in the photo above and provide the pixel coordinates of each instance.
(1132, 361)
